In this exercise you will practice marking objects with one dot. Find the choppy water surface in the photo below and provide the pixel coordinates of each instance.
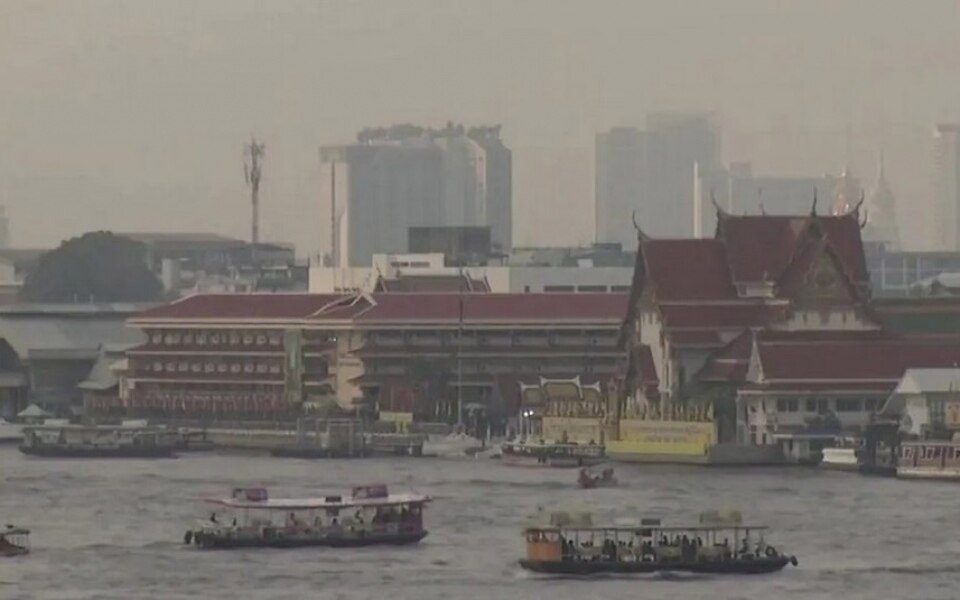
(112, 529)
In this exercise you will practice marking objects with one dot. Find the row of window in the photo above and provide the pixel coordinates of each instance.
(215, 338)
(821, 405)
(932, 452)
(212, 367)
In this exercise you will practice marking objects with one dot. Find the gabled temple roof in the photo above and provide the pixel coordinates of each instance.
(686, 269)
(762, 246)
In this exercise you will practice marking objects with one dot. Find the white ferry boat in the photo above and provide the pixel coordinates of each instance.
(10, 433)
(369, 516)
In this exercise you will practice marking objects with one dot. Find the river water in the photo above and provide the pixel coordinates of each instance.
(112, 530)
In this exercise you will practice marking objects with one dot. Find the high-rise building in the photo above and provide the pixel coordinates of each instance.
(947, 186)
(389, 186)
(499, 185)
(651, 172)
(408, 176)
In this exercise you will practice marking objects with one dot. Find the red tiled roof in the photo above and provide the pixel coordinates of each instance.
(884, 360)
(508, 308)
(730, 315)
(708, 338)
(693, 269)
(730, 362)
(387, 307)
(759, 245)
(241, 306)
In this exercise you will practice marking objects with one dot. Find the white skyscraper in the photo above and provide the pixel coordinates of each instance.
(947, 186)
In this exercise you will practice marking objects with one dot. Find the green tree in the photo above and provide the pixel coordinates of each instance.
(95, 267)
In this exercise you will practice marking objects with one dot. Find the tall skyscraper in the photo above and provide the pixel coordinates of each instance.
(651, 172)
(499, 185)
(947, 186)
(389, 186)
(408, 176)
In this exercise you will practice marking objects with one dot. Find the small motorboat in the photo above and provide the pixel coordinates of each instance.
(14, 541)
(589, 480)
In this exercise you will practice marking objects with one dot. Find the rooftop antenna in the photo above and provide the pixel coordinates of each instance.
(252, 164)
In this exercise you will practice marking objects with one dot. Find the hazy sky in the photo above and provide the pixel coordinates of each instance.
(131, 115)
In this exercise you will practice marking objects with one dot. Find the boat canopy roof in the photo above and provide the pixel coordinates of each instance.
(11, 530)
(257, 498)
(635, 528)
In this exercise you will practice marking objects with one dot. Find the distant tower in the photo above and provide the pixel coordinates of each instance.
(846, 194)
(252, 163)
(881, 214)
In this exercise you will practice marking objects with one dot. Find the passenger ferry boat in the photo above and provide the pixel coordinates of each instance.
(369, 516)
(930, 459)
(100, 441)
(710, 547)
(14, 541)
(546, 454)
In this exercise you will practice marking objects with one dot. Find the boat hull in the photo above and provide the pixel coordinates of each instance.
(78, 452)
(212, 542)
(929, 473)
(556, 462)
(755, 566)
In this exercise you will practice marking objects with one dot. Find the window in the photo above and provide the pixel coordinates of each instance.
(558, 288)
(810, 405)
(591, 288)
(234, 338)
(870, 405)
(787, 405)
(823, 405)
(156, 339)
(848, 405)
(188, 338)
(620, 289)
(214, 338)
(201, 338)
(247, 339)
(526, 289)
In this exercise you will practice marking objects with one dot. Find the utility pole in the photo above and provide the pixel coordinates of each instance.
(252, 164)
(460, 350)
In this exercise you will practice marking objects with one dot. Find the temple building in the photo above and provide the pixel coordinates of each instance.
(437, 356)
(766, 331)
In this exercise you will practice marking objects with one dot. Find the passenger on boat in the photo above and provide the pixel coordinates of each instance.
(213, 517)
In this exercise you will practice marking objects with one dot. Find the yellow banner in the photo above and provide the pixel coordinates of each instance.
(663, 437)
(579, 430)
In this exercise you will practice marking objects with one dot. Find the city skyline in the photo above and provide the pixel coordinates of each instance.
(135, 114)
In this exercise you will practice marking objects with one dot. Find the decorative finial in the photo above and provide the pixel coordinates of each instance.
(856, 207)
(641, 236)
